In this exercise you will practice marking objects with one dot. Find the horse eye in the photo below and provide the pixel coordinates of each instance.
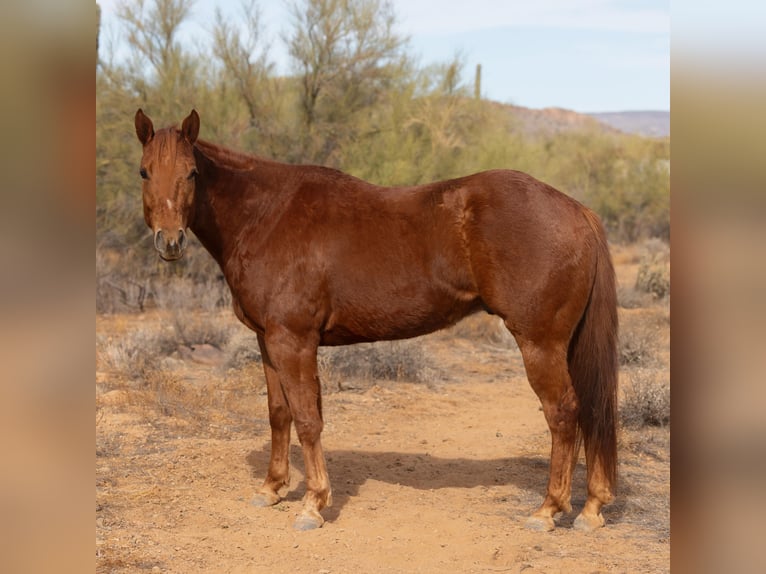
(192, 173)
(143, 173)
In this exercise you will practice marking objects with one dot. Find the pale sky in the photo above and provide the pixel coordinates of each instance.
(584, 55)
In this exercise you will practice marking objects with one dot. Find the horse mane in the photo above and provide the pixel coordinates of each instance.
(246, 162)
(229, 158)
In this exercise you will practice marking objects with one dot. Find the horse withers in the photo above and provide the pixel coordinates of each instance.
(314, 256)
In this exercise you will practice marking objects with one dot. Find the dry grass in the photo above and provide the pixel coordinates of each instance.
(141, 371)
(644, 359)
(638, 343)
(134, 355)
(242, 349)
(654, 270)
(624, 255)
(646, 399)
(356, 366)
(184, 294)
(214, 328)
(628, 297)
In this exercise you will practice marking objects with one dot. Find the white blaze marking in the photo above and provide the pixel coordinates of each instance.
(170, 203)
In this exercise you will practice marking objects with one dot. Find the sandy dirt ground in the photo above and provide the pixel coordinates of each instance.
(435, 477)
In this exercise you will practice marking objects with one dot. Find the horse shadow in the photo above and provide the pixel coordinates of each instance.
(350, 469)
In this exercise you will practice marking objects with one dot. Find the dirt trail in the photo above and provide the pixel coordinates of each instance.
(426, 478)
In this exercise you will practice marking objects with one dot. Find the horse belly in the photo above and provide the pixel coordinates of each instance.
(397, 317)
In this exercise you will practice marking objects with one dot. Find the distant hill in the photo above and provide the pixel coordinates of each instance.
(647, 123)
(557, 120)
(550, 120)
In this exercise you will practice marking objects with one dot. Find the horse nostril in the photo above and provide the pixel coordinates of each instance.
(159, 242)
(182, 239)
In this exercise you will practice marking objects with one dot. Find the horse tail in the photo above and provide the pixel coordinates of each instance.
(592, 359)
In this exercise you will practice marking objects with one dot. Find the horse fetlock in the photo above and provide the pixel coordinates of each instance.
(555, 503)
(603, 495)
(542, 519)
(318, 499)
(265, 497)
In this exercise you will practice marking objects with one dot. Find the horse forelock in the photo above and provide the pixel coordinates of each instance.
(167, 141)
(167, 146)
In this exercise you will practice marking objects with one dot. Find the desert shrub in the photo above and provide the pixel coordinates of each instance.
(242, 350)
(136, 354)
(654, 277)
(385, 360)
(117, 291)
(646, 399)
(168, 394)
(396, 361)
(632, 298)
(192, 328)
(638, 344)
(654, 270)
(132, 279)
(208, 293)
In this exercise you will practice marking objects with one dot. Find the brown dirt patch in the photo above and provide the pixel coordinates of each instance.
(435, 477)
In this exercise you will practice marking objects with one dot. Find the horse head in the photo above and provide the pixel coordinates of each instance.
(169, 171)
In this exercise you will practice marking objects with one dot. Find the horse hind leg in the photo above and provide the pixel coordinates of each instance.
(599, 489)
(548, 374)
(599, 492)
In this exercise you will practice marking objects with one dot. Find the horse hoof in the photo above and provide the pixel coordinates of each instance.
(264, 499)
(540, 523)
(307, 521)
(588, 523)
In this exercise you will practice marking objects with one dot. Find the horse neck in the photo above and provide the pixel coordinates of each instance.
(231, 190)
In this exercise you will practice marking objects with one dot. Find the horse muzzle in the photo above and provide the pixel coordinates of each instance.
(170, 244)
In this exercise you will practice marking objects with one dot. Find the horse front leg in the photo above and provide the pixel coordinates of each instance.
(280, 420)
(295, 361)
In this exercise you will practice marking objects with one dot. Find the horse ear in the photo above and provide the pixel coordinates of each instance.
(144, 127)
(190, 127)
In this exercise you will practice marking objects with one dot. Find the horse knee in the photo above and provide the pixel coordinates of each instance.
(279, 417)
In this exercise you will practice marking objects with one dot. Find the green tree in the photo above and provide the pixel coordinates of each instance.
(247, 70)
(346, 54)
(160, 71)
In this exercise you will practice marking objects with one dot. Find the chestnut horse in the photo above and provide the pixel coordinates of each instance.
(317, 257)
